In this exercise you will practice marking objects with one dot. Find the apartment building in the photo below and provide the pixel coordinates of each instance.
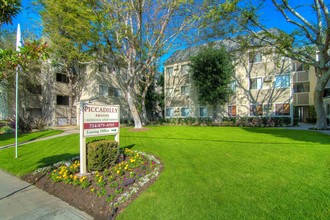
(264, 84)
(50, 95)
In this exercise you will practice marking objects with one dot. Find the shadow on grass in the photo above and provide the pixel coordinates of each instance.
(128, 146)
(296, 135)
(47, 161)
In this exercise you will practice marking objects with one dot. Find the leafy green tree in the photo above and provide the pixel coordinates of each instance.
(212, 72)
(309, 42)
(130, 35)
(8, 10)
(9, 58)
(68, 32)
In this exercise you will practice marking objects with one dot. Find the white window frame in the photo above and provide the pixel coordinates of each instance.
(258, 81)
(256, 110)
(168, 72)
(186, 91)
(172, 112)
(185, 108)
(254, 58)
(200, 111)
(102, 89)
(281, 86)
(268, 109)
(184, 69)
(230, 110)
(277, 113)
(233, 85)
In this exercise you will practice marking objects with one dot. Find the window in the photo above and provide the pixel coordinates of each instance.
(203, 112)
(115, 92)
(255, 57)
(185, 112)
(34, 89)
(62, 100)
(103, 91)
(282, 81)
(169, 112)
(62, 78)
(169, 71)
(256, 110)
(300, 67)
(185, 69)
(184, 90)
(301, 87)
(232, 110)
(169, 91)
(282, 109)
(268, 109)
(256, 83)
(233, 86)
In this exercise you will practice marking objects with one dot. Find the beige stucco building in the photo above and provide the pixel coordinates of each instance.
(264, 84)
(48, 96)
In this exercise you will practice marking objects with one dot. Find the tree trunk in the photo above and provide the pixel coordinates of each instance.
(133, 109)
(321, 119)
(144, 116)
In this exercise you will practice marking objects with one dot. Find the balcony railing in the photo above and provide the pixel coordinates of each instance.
(301, 76)
(301, 98)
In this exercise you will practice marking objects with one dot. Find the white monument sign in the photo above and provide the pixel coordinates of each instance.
(96, 120)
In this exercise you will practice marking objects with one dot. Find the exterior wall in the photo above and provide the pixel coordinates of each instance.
(268, 70)
(91, 89)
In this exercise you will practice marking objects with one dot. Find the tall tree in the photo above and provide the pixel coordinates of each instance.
(308, 43)
(68, 31)
(212, 72)
(132, 35)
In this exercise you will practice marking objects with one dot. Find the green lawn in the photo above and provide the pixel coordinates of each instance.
(216, 172)
(6, 139)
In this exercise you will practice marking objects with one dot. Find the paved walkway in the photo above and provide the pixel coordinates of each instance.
(20, 200)
(67, 131)
(304, 126)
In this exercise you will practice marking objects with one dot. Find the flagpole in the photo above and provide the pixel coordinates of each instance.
(18, 44)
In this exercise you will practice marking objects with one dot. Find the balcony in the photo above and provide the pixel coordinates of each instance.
(301, 98)
(301, 76)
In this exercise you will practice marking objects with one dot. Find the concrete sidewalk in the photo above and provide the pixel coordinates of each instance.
(67, 131)
(306, 127)
(21, 200)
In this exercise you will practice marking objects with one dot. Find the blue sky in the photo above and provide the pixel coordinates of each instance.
(30, 20)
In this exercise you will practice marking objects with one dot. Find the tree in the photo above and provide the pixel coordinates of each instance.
(66, 47)
(9, 58)
(212, 72)
(308, 43)
(132, 35)
(8, 10)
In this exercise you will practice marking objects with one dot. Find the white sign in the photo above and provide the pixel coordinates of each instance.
(96, 120)
(100, 120)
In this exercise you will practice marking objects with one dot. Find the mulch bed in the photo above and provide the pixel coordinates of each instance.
(83, 199)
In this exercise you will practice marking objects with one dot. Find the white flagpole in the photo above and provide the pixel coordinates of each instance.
(18, 44)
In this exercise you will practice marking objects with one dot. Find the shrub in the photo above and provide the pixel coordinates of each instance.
(7, 130)
(39, 123)
(24, 124)
(101, 154)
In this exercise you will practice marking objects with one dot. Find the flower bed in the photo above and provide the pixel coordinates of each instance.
(116, 185)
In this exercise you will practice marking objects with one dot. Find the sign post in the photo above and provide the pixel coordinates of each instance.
(97, 120)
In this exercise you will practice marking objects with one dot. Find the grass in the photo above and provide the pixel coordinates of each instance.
(216, 172)
(6, 139)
